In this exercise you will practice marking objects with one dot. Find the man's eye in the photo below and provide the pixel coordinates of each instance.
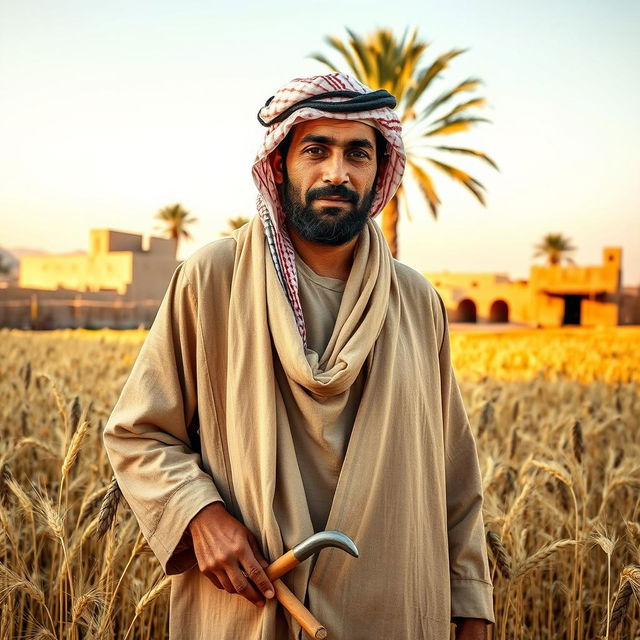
(359, 155)
(314, 151)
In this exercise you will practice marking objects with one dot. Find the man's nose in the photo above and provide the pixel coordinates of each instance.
(335, 170)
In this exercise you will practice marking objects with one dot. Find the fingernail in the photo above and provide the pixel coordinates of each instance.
(269, 594)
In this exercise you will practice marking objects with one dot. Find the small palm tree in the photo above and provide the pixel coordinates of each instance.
(233, 224)
(173, 222)
(555, 247)
(382, 62)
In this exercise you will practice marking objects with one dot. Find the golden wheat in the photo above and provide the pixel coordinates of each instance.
(555, 415)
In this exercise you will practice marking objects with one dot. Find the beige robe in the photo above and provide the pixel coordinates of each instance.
(321, 444)
(203, 417)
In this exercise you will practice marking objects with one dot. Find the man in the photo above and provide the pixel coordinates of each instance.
(297, 379)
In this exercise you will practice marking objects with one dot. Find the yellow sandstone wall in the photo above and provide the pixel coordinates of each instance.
(599, 314)
(581, 280)
(83, 273)
(538, 301)
(116, 261)
(484, 290)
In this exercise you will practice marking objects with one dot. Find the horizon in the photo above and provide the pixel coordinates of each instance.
(535, 262)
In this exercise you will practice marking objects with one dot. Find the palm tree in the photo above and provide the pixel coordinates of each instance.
(233, 224)
(174, 220)
(382, 62)
(555, 247)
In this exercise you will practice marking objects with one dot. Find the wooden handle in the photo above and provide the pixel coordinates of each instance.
(282, 565)
(300, 613)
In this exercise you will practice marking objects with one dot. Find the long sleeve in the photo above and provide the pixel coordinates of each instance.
(471, 589)
(150, 435)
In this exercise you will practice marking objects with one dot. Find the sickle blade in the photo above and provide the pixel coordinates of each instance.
(322, 540)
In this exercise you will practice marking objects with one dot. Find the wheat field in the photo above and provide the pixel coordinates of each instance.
(556, 416)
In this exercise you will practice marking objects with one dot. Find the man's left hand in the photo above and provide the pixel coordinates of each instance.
(471, 629)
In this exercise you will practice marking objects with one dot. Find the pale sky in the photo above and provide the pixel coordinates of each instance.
(110, 110)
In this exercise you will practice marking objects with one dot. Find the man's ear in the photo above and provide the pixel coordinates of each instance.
(275, 160)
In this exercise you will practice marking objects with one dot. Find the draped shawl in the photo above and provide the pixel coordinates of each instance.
(202, 418)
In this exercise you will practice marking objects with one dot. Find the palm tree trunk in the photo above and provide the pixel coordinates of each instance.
(390, 225)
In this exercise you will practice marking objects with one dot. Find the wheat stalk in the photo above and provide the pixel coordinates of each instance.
(37, 444)
(578, 441)
(540, 556)
(620, 606)
(91, 504)
(5, 492)
(11, 581)
(108, 508)
(151, 595)
(74, 413)
(74, 448)
(500, 554)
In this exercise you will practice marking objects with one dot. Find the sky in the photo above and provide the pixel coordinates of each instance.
(111, 110)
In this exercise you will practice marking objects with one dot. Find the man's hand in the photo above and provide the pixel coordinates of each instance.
(471, 629)
(225, 549)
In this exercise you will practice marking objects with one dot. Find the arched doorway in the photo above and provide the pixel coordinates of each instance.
(499, 311)
(467, 311)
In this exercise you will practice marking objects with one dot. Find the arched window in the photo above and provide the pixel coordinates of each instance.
(499, 311)
(467, 311)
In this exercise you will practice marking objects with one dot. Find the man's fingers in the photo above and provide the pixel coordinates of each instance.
(255, 571)
(257, 553)
(244, 588)
(259, 578)
(214, 580)
(225, 582)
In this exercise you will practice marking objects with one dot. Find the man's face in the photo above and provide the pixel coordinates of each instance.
(328, 180)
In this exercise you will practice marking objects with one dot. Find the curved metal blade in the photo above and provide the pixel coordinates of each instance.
(323, 539)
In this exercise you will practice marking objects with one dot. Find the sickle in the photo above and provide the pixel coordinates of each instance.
(307, 548)
(293, 558)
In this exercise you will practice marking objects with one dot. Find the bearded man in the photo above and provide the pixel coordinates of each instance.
(298, 379)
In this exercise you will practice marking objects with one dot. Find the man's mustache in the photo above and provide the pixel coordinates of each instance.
(337, 191)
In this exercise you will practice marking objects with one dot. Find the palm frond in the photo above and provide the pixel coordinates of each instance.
(403, 204)
(361, 52)
(462, 177)
(466, 85)
(472, 152)
(475, 102)
(323, 60)
(355, 64)
(425, 183)
(455, 125)
(427, 75)
(409, 58)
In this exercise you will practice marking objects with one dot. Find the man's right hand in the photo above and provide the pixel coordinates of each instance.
(225, 548)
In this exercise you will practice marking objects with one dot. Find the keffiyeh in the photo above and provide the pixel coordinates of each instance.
(280, 114)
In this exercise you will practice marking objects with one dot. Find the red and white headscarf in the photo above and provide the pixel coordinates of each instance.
(287, 99)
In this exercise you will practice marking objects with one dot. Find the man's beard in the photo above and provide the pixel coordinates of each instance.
(328, 225)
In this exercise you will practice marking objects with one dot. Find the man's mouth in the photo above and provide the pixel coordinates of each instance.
(332, 199)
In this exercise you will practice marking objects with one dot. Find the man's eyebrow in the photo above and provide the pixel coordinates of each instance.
(355, 142)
